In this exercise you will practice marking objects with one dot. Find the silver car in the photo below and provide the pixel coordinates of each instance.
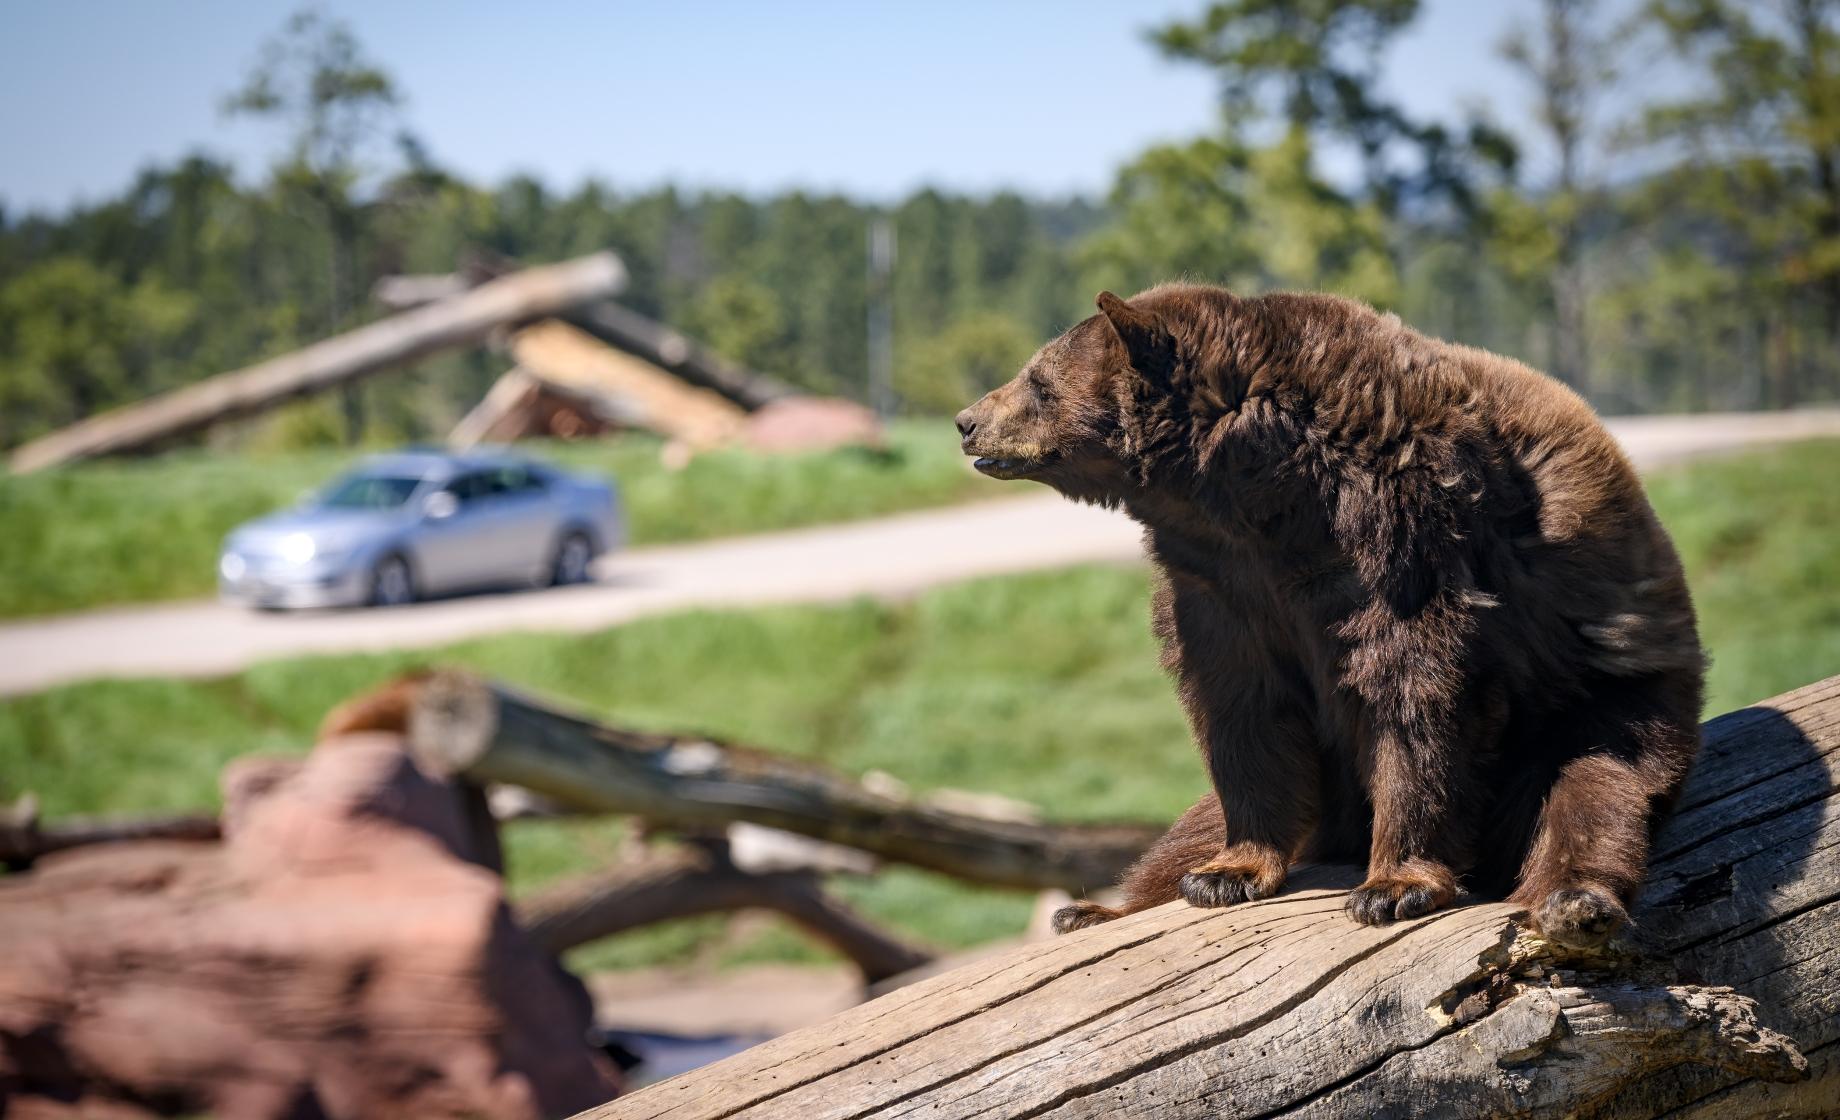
(416, 523)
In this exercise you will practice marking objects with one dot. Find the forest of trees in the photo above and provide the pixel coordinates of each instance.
(1659, 252)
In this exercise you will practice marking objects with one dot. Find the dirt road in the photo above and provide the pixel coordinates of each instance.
(892, 556)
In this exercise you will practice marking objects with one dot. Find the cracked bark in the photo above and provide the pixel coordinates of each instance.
(1723, 1002)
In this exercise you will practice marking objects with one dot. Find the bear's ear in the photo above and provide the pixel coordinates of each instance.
(1145, 339)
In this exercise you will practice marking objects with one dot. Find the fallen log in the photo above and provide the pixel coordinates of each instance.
(25, 839)
(618, 326)
(1285, 1008)
(463, 726)
(700, 879)
(463, 318)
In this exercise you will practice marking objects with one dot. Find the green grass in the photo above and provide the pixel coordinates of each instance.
(137, 531)
(1042, 687)
(1760, 536)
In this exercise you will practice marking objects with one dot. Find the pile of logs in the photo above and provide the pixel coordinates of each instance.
(584, 365)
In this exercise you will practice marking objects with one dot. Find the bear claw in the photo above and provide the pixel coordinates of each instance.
(1209, 889)
(1379, 904)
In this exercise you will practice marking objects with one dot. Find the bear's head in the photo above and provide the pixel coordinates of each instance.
(1082, 415)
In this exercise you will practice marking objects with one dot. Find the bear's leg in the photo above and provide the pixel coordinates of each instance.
(1251, 718)
(1421, 835)
(1156, 876)
(1266, 772)
(1590, 849)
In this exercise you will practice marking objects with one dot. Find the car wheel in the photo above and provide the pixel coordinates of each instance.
(392, 583)
(574, 555)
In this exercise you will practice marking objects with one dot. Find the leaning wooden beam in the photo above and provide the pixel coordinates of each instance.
(463, 318)
(498, 412)
(572, 361)
(461, 725)
(1285, 1008)
(618, 326)
(701, 880)
(677, 353)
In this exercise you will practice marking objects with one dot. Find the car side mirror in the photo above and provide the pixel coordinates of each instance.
(440, 505)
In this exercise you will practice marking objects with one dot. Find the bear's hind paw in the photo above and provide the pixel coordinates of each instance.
(1579, 917)
(1079, 915)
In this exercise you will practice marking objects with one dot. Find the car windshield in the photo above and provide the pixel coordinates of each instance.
(369, 491)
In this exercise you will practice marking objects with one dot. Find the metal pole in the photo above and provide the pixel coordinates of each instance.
(881, 315)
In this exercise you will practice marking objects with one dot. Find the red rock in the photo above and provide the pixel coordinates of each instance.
(793, 424)
(340, 954)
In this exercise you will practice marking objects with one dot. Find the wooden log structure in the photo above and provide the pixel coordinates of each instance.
(520, 405)
(615, 324)
(1723, 1001)
(463, 726)
(24, 838)
(466, 317)
(699, 878)
(568, 359)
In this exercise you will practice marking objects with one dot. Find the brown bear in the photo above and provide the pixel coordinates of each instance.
(1418, 610)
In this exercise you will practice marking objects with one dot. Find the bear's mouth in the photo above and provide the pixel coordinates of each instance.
(1010, 468)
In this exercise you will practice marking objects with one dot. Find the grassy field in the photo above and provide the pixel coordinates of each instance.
(135, 531)
(1043, 687)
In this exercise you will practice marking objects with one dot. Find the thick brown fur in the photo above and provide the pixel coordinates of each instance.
(1417, 607)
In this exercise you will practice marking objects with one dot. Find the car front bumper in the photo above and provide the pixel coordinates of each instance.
(303, 589)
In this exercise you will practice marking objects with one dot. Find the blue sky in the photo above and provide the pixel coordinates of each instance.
(870, 98)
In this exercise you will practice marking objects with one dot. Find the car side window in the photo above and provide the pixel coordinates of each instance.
(470, 489)
(516, 479)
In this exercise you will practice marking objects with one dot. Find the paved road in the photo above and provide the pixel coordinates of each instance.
(891, 556)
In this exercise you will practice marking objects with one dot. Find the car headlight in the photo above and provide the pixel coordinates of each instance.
(232, 566)
(297, 548)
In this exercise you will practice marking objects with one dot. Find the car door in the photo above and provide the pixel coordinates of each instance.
(524, 522)
(455, 551)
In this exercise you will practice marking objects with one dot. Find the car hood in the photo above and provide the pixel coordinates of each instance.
(332, 530)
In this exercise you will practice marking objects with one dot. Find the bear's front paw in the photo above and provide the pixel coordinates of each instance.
(1210, 887)
(1081, 914)
(1396, 898)
(1580, 917)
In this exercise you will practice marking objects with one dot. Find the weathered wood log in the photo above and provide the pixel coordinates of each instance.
(700, 879)
(570, 360)
(677, 353)
(467, 317)
(616, 325)
(521, 405)
(461, 725)
(1285, 1008)
(24, 838)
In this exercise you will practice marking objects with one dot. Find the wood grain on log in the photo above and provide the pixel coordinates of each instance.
(1285, 1008)
(463, 318)
(462, 725)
